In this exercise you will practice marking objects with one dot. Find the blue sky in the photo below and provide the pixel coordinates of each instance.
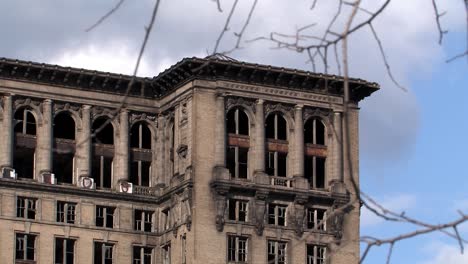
(413, 143)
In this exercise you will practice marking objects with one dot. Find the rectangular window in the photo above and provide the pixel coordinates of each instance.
(316, 219)
(105, 216)
(237, 161)
(276, 163)
(142, 255)
(277, 252)
(184, 249)
(64, 251)
(26, 207)
(166, 219)
(25, 248)
(238, 210)
(166, 254)
(277, 214)
(66, 212)
(103, 253)
(316, 254)
(237, 249)
(143, 220)
(102, 171)
(314, 170)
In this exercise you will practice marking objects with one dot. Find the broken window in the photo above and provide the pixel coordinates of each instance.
(103, 253)
(275, 127)
(314, 131)
(237, 210)
(63, 167)
(64, 126)
(276, 163)
(166, 219)
(237, 249)
(314, 170)
(26, 207)
(237, 154)
(66, 212)
(64, 251)
(25, 143)
(105, 216)
(316, 219)
(166, 254)
(25, 248)
(316, 254)
(277, 214)
(64, 147)
(142, 255)
(140, 166)
(277, 252)
(143, 220)
(277, 146)
(103, 152)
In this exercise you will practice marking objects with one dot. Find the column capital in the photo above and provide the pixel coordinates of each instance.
(299, 106)
(260, 101)
(87, 107)
(48, 101)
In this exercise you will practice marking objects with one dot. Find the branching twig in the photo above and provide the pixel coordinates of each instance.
(104, 17)
(241, 33)
(225, 28)
(218, 4)
(438, 16)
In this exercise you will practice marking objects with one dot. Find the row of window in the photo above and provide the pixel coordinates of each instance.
(26, 208)
(103, 253)
(238, 210)
(277, 146)
(64, 251)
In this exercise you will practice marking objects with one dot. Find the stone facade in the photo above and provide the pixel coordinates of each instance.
(211, 161)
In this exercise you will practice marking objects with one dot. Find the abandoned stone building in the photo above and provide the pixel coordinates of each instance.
(211, 161)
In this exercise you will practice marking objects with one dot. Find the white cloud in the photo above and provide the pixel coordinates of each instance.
(395, 203)
(445, 254)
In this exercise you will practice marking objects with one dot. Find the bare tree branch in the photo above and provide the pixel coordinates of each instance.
(241, 33)
(438, 16)
(104, 17)
(225, 28)
(218, 4)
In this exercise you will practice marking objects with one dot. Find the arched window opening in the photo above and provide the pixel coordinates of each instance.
(315, 153)
(64, 147)
(25, 143)
(237, 153)
(140, 142)
(314, 132)
(277, 145)
(103, 152)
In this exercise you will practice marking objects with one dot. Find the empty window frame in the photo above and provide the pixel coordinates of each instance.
(142, 255)
(183, 239)
(103, 253)
(105, 216)
(140, 142)
(166, 254)
(26, 207)
(25, 248)
(237, 156)
(237, 249)
(64, 251)
(103, 147)
(316, 254)
(64, 147)
(314, 170)
(314, 131)
(277, 145)
(66, 212)
(316, 219)
(238, 210)
(277, 214)
(166, 219)
(277, 252)
(143, 220)
(25, 143)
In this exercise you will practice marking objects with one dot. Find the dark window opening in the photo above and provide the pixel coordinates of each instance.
(276, 127)
(276, 163)
(103, 131)
(64, 126)
(66, 212)
(25, 123)
(25, 248)
(314, 132)
(142, 255)
(237, 210)
(277, 252)
(277, 215)
(316, 254)
(64, 251)
(314, 170)
(140, 136)
(23, 162)
(237, 161)
(237, 249)
(63, 167)
(143, 220)
(102, 171)
(237, 122)
(26, 207)
(103, 253)
(105, 216)
(316, 219)
(140, 172)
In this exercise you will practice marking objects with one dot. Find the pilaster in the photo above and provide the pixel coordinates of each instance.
(44, 140)
(299, 141)
(6, 155)
(220, 135)
(260, 136)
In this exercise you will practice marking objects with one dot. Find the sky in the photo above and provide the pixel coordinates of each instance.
(412, 143)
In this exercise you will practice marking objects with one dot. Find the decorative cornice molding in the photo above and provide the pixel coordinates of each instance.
(233, 101)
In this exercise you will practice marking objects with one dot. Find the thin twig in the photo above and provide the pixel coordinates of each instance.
(390, 251)
(439, 27)
(218, 4)
(225, 28)
(241, 33)
(104, 17)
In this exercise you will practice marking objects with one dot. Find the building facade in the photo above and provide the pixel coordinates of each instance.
(211, 161)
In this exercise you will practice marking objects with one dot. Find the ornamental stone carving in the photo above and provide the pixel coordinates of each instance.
(248, 104)
(259, 211)
(286, 109)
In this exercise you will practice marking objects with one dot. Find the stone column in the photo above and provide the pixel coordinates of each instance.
(123, 146)
(160, 143)
(299, 140)
(220, 132)
(85, 142)
(260, 136)
(6, 156)
(337, 147)
(44, 140)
